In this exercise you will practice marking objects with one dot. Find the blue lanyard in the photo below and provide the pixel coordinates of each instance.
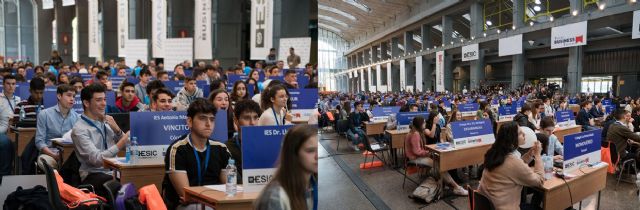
(103, 133)
(206, 161)
(314, 186)
(10, 105)
(276, 116)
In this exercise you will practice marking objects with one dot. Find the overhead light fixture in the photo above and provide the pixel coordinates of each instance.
(551, 18)
(484, 34)
(489, 23)
(513, 27)
(498, 30)
(602, 6)
(633, 1)
(451, 42)
(536, 8)
(337, 11)
(472, 37)
(538, 2)
(574, 13)
(531, 23)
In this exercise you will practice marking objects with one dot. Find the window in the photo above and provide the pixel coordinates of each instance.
(596, 84)
(18, 32)
(331, 57)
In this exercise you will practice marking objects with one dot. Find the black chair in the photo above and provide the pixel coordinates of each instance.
(54, 192)
(615, 159)
(374, 152)
(112, 187)
(478, 201)
(342, 127)
(408, 163)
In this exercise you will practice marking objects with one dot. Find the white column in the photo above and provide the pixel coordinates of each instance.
(378, 80)
(419, 74)
(362, 80)
(389, 82)
(369, 75)
(403, 75)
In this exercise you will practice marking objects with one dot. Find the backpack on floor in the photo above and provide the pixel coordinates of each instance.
(25, 199)
(127, 198)
(428, 191)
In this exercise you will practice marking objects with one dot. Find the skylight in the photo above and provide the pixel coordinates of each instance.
(337, 11)
(358, 5)
(332, 19)
(330, 28)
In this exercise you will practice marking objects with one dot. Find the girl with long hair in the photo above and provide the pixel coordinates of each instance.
(220, 100)
(239, 92)
(294, 185)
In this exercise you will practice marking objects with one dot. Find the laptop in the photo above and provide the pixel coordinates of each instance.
(122, 119)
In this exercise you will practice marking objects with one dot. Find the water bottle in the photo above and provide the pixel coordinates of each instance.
(548, 166)
(134, 150)
(127, 153)
(231, 178)
(23, 114)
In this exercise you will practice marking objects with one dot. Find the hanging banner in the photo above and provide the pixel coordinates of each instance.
(469, 133)
(177, 50)
(158, 28)
(202, 30)
(419, 74)
(261, 31)
(47, 4)
(260, 152)
(68, 3)
(94, 38)
(510, 45)
(403, 75)
(123, 27)
(635, 32)
(470, 52)
(136, 49)
(440, 71)
(389, 86)
(569, 35)
(581, 149)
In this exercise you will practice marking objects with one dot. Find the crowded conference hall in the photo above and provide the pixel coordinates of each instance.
(504, 104)
(161, 104)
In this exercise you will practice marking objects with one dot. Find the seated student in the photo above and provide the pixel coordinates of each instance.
(152, 87)
(505, 171)
(442, 111)
(432, 130)
(103, 79)
(291, 79)
(620, 134)
(77, 84)
(96, 136)
(584, 118)
(31, 106)
(187, 94)
(53, 122)
(246, 113)
(239, 92)
(161, 100)
(141, 87)
(128, 101)
(294, 185)
(220, 100)
(122, 71)
(480, 114)
(636, 119)
(194, 160)
(416, 154)
(276, 103)
(455, 116)
(547, 126)
(598, 110)
(162, 76)
(199, 74)
(7, 104)
(522, 118)
(356, 121)
(413, 108)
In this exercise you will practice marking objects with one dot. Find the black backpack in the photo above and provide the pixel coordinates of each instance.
(35, 198)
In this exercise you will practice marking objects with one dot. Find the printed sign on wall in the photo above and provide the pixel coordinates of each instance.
(569, 35)
(470, 52)
(510, 45)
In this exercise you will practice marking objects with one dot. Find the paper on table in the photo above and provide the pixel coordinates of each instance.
(222, 187)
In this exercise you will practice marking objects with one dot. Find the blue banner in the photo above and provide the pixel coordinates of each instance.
(133, 80)
(303, 98)
(50, 99)
(519, 104)
(581, 149)
(86, 77)
(302, 81)
(469, 107)
(251, 90)
(22, 90)
(467, 133)
(385, 111)
(220, 132)
(261, 145)
(158, 128)
(405, 118)
(564, 116)
(573, 101)
(609, 109)
(606, 102)
(281, 78)
(117, 81)
(507, 110)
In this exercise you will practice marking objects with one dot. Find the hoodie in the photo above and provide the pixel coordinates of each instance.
(183, 98)
(134, 106)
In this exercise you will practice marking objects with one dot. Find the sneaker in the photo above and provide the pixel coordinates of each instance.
(460, 191)
(360, 146)
(355, 147)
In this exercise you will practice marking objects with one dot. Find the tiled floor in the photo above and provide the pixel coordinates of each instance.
(343, 185)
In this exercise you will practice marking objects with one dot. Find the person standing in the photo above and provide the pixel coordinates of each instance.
(293, 60)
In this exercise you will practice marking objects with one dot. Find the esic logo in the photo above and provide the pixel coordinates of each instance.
(469, 54)
(260, 179)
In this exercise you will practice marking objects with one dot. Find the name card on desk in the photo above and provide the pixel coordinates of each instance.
(156, 130)
(581, 149)
(303, 98)
(608, 109)
(470, 133)
(385, 110)
(260, 152)
(507, 112)
(405, 118)
(50, 99)
(565, 118)
(468, 109)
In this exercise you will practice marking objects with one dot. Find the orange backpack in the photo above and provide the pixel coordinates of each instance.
(149, 196)
(74, 197)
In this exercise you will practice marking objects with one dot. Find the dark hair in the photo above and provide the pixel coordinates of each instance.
(290, 71)
(155, 84)
(87, 92)
(453, 116)
(234, 96)
(36, 84)
(126, 84)
(215, 84)
(432, 114)
(161, 91)
(483, 105)
(619, 114)
(290, 169)
(198, 71)
(413, 105)
(355, 105)
(584, 104)
(506, 142)
(256, 90)
(51, 76)
(159, 73)
(246, 106)
(8, 77)
(215, 92)
(145, 71)
(546, 122)
(525, 107)
(188, 79)
(101, 73)
(76, 80)
(63, 88)
(200, 105)
(273, 90)
(636, 109)
(417, 123)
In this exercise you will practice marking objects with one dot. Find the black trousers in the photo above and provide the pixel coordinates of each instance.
(97, 180)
